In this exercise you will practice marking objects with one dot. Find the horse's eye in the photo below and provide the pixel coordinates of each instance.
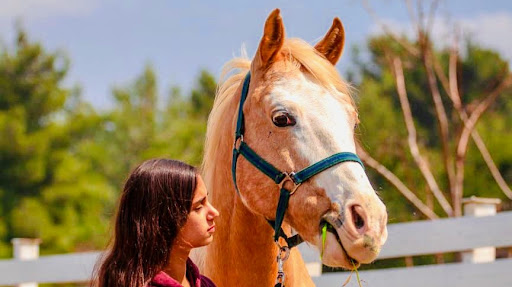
(283, 119)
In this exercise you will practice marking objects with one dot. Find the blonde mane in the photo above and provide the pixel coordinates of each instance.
(297, 52)
(228, 84)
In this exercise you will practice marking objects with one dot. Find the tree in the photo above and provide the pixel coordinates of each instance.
(138, 128)
(441, 97)
(203, 95)
(49, 189)
(187, 119)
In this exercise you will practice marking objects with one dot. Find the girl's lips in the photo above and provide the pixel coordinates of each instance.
(211, 229)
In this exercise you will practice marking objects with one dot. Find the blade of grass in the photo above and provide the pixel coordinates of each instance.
(357, 274)
(324, 236)
(348, 279)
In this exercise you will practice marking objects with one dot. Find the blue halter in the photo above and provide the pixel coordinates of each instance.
(279, 177)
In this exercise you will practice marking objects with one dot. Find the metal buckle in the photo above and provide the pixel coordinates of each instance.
(238, 142)
(284, 252)
(287, 177)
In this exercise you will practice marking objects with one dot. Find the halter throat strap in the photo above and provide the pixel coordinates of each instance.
(279, 177)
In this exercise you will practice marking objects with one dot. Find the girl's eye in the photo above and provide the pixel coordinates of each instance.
(283, 119)
(198, 207)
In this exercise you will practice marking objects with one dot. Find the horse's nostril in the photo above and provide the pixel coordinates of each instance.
(356, 217)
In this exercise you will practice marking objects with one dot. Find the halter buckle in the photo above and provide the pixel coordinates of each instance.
(284, 252)
(238, 142)
(288, 177)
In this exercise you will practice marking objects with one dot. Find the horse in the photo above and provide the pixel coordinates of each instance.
(297, 112)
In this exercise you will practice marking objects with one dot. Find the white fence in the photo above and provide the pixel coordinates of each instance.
(405, 239)
(438, 236)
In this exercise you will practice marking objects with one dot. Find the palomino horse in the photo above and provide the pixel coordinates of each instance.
(298, 111)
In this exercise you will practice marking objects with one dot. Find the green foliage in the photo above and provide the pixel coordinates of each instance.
(202, 97)
(49, 187)
(481, 71)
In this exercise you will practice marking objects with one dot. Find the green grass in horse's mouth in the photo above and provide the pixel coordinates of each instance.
(327, 227)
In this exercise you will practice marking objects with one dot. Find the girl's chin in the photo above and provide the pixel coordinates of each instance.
(205, 242)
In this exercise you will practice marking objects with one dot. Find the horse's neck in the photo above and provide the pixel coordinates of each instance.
(243, 252)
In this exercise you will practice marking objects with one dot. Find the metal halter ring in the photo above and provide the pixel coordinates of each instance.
(238, 142)
(287, 177)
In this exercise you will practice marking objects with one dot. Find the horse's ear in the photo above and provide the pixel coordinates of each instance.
(331, 46)
(272, 40)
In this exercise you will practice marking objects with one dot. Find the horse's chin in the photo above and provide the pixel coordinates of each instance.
(341, 250)
(335, 255)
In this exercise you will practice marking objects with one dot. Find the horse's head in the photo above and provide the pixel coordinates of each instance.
(298, 112)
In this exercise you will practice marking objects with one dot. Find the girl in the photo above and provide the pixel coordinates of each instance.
(163, 213)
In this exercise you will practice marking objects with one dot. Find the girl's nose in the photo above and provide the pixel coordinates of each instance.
(213, 212)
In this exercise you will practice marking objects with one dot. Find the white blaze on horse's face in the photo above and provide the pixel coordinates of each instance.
(325, 126)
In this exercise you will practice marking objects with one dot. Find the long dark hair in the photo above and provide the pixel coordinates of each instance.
(154, 205)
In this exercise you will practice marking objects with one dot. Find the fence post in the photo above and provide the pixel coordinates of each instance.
(478, 206)
(26, 249)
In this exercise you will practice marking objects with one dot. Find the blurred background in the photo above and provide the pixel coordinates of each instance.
(89, 89)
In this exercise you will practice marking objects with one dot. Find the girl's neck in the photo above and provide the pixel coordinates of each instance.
(177, 265)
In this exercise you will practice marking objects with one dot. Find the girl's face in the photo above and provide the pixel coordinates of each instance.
(199, 228)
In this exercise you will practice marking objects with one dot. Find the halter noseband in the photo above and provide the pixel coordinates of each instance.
(279, 177)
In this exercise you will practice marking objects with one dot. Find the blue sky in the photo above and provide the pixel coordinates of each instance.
(110, 42)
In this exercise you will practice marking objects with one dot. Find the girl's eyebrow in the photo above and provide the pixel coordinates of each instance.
(199, 201)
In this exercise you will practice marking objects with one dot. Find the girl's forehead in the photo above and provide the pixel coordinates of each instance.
(200, 191)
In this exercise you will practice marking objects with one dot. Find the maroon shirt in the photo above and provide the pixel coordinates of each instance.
(162, 279)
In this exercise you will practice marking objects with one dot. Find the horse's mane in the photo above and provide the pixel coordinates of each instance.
(298, 53)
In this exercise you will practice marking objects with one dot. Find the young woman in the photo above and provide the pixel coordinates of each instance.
(163, 213)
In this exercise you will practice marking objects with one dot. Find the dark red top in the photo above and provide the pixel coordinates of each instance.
(162, 279)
